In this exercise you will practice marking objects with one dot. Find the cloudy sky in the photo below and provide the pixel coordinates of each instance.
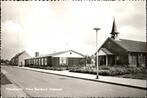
(55, 26)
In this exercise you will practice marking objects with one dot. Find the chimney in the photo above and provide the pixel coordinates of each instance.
(36, 54)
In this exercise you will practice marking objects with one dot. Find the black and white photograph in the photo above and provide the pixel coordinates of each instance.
(73, 49)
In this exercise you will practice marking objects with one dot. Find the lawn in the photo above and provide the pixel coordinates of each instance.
(4, 79)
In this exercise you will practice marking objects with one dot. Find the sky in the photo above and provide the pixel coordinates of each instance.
(47, 27)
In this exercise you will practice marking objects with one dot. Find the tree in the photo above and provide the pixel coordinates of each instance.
(88, 59)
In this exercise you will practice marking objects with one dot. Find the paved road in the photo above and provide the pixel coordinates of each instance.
(38, 84)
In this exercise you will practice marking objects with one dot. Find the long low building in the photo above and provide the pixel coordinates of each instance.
(63, 58)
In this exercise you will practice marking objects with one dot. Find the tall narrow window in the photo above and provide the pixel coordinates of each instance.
(42, 61)
(45, 61)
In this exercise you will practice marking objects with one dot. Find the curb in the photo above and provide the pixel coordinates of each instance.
(143, 88)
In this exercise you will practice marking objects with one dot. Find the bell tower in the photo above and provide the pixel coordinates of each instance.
(114, 33)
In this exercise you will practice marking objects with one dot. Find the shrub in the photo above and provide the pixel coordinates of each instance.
(135, 69)
(118, 71)
(56, 68)
(104, 72)
(104, 67)
(74, 67)
(113, 71)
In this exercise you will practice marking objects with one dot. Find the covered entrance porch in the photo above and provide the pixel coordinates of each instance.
(106, 57)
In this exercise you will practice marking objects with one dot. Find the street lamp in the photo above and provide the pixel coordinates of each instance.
(96, 29)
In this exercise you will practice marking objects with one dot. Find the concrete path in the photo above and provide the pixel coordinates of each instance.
(136, 83)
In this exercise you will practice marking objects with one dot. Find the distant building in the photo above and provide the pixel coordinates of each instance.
(115, 51)
(19, 59)
(63, 58)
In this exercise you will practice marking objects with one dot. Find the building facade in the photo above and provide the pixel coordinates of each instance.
(19, 59)
(115, 51)
(64, 58)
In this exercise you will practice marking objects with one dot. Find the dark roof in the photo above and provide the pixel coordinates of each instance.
(114, 28)
(106, 51)
(131, 45)
(18, 54)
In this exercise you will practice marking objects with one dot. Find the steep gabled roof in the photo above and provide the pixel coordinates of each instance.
(18, 54)
(106, 51)
(129, 45)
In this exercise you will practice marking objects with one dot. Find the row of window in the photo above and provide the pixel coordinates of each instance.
(133, 59)
(36, 61)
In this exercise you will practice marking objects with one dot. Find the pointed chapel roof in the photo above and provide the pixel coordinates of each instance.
(114, 28)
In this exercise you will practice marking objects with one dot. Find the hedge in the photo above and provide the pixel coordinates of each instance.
(113, 71)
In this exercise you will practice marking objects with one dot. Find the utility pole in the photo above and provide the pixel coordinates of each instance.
(97, 75)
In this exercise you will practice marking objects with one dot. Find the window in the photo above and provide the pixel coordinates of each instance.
(63, 60)
(38, 61)
(34, 61)
(31, 61)
(132, 59)
(141, 59)
(45, 61)
(42, 61)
